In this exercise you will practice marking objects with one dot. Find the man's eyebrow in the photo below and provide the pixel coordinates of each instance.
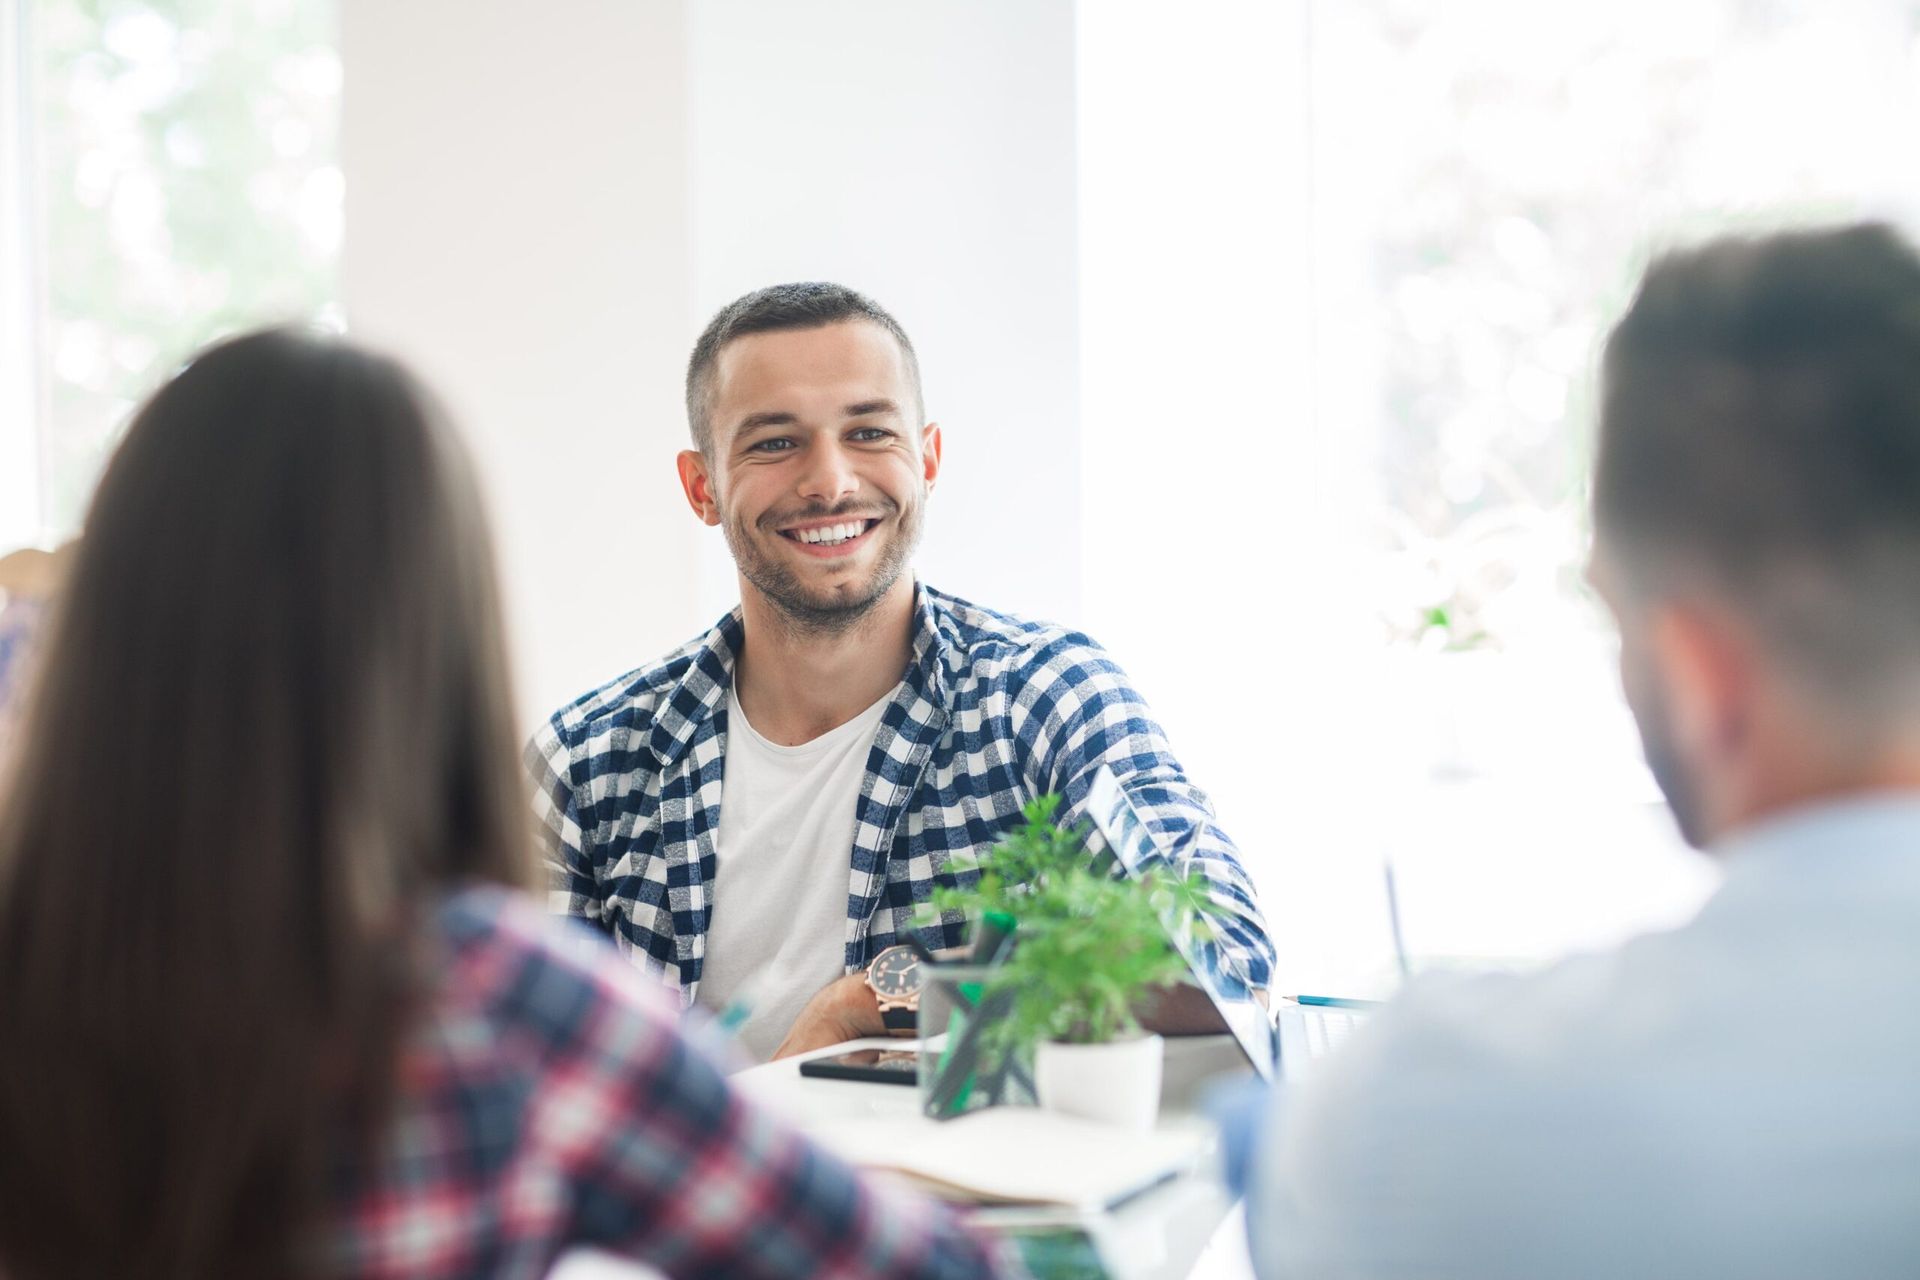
(754, 421)
(868, 408)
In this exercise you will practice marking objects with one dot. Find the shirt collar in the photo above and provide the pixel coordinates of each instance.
(1860, 834)
(688, 706)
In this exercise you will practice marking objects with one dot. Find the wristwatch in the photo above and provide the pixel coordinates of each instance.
(895, 977)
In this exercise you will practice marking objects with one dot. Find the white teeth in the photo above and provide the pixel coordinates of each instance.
(832, 534)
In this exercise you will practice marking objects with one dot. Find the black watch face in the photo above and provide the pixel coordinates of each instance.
(896, 973)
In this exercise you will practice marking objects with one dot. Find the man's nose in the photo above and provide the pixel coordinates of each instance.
(828, 475)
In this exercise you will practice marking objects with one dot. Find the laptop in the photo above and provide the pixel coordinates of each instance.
(1308, 1033)
(1309, 1027)
(1135, 848)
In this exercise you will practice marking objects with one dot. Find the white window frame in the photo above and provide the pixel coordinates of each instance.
(23, 389)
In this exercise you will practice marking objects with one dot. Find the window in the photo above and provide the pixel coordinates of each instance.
(1347, 267)
(173, 177)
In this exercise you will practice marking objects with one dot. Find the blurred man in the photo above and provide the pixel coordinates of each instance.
(1741, 1096)
(755, 817)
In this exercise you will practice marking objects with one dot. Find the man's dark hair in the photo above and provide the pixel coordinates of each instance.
(810, 304)
(1760, 437)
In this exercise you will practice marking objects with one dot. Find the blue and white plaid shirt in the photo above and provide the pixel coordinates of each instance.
(993, 712)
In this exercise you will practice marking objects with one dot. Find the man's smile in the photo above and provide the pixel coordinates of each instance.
(826, 539)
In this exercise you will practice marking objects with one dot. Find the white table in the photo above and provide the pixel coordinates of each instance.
(1186, 1228)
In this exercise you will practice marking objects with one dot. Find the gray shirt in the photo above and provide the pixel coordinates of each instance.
(1737, 1097)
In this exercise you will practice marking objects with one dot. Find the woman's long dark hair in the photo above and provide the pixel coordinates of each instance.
(272, 723)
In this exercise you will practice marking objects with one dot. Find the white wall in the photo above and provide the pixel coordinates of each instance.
(516, 224)
(922, 153)
(542, 214)
(20, 465)
(1210, 514)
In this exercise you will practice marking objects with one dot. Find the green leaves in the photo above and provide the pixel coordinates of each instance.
(1090, 945)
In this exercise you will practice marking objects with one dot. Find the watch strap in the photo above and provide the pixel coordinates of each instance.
(900, 1020)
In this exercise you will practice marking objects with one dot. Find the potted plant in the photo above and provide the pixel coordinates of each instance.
(1090, 946)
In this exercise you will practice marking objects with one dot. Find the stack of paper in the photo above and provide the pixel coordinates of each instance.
(1016, 1155)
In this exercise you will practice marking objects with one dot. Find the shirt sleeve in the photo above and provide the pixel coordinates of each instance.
(669, 1166)
(572, 888)
(1075, 710)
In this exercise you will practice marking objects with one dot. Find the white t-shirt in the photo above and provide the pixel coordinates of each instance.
(784, 852)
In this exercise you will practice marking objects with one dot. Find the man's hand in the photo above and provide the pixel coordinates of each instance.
(844, 1009)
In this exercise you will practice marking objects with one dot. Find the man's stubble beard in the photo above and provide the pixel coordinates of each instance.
(1648, 701)
(808, 612)
(1676, 784)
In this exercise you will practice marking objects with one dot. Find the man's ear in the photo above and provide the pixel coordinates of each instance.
(1712, 677)
(696, 481)
(930, 453)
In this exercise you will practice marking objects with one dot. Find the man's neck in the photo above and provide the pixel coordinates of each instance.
(796, 683)
(1890, 766)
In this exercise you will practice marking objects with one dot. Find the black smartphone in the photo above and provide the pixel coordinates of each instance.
(876, 1066)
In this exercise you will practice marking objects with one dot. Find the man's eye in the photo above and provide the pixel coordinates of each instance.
(778, 444)
(866, 435)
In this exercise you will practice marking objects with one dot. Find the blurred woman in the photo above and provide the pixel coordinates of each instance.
(271, 1002)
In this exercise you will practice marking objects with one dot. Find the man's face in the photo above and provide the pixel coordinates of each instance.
(820, 467)
(1645, 687)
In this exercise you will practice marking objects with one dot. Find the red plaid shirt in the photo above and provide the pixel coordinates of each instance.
(548, 1102)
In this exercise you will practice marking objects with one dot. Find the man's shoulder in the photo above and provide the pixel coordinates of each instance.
(1572, 1011)
(627, 704)
(980, 639)
(1658, 1002)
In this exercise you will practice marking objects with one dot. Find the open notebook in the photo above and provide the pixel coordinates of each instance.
(1016, 1156)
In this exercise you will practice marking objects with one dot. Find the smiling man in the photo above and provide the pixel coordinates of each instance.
(754, 817)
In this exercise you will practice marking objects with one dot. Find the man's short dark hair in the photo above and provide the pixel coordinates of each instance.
(1760, 436)
(809, 304)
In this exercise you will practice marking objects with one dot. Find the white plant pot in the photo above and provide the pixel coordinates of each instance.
(1116, 1083)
